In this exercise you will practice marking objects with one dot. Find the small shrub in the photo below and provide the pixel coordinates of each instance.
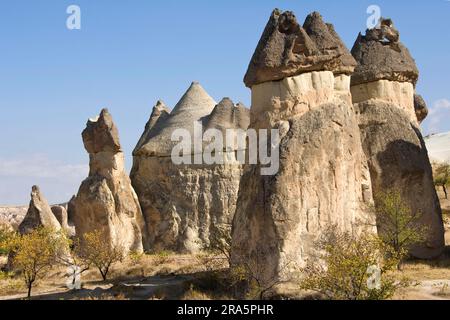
(93, 250)
(398, 227)
(34, 254)
(351, 268)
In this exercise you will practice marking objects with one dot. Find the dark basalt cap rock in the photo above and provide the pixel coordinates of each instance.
(328, 42)
(101, 134)
(381, 56)
(420, 107)
(285, 49)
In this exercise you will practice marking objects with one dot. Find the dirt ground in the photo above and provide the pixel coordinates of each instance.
(155, 277)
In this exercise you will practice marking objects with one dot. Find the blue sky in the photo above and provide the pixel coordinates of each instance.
(129, 54)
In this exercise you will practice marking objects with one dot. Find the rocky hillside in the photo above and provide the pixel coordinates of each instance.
(13, 216)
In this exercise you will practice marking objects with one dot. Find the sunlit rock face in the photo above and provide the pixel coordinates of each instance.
(39, 214)
(323, 179)
(389, 116)
(106, 201)
(184, 204)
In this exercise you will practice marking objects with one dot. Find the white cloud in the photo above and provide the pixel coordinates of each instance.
(40, 166)
(439, 105)
(438, 117)
(58, 180)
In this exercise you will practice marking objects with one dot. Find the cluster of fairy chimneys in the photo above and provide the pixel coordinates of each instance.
(378, 67)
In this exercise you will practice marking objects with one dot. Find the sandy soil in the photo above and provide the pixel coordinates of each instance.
(151, 277)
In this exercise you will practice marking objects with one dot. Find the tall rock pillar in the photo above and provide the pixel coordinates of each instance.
(300, 83)
(383, 90)
(106, 200)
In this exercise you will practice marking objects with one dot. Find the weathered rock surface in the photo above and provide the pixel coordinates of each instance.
(183, 204)
(398, 160)
(381, 56)
(323, 178)
(287, 49)
(420, 107)
(106, 200)
(71, 209)
(159, 115)
(194, 106)
(382, 88)
(400, 94)
(60, 212)
(39, 214)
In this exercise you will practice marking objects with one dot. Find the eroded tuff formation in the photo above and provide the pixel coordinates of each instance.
(183, 204)
(39, 214)
(106, 200)
(390, 113)
(60, 213)
(300, 83)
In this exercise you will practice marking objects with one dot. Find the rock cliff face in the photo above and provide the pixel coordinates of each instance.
(183, 204)
(323, 178)
(39, 214)
(390, 112)
(106, 200)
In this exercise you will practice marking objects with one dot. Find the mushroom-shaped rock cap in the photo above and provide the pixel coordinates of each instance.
(381, 56)
(101, 134)
(195, 105)
(285, 49)
(328, 41)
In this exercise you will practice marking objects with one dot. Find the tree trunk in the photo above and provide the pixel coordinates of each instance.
(445, 191)
(30, 285)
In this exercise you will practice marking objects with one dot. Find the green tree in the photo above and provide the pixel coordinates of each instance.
(442, 177)
(349, 267)
(398, 226)
(92, 249)
(6, 234)
(34, 254)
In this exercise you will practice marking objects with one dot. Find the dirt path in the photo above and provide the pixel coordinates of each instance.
(159, 287)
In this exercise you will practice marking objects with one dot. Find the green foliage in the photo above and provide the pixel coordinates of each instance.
(92, 249)
(351, 268)
(221, 242)
(6, 234)
(34, 254)
(442, 176)
(398, 227)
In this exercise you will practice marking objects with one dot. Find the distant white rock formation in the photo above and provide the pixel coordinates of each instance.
(438, 146)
